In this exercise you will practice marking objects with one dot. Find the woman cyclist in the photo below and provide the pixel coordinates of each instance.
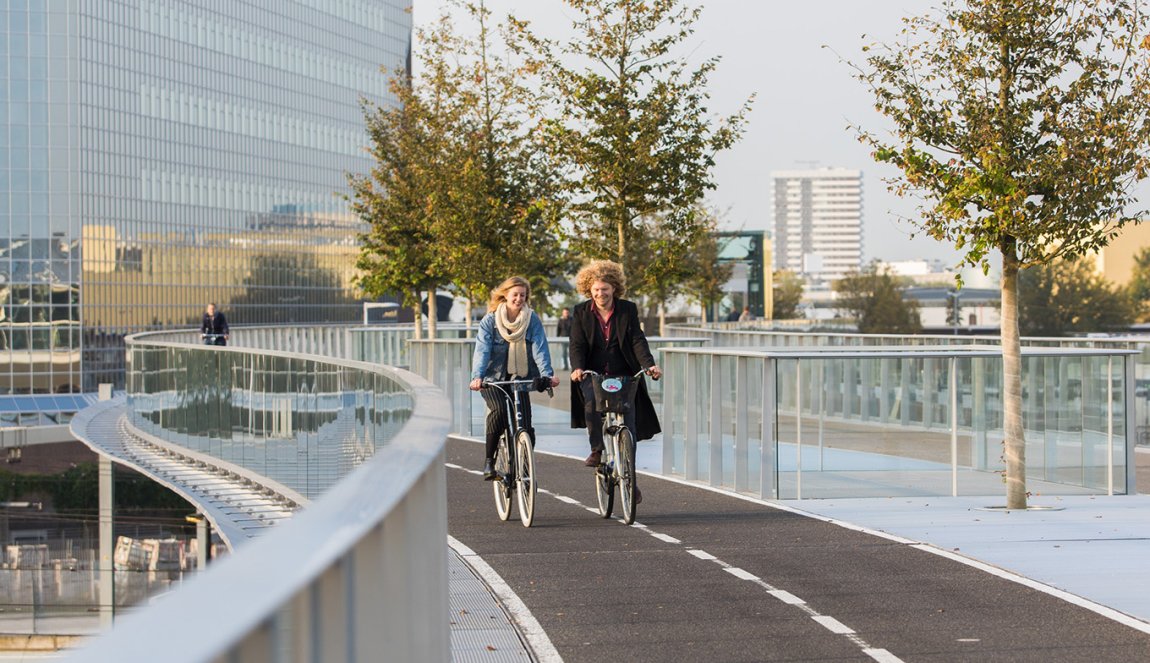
(510, 344)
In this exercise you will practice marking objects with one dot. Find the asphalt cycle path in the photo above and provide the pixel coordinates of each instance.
(706, 576)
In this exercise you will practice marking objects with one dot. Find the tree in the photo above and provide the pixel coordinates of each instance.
(501, 212)
(632, 124)
(1021, 126)
(1070, 296)
(404, 192)
(787, 288)
(873, 298)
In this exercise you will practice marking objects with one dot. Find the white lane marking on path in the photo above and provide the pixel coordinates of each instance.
(1097, 608)
(529, 626)
(740, 574)
(882, 656)
(833, 625)
(784, 596)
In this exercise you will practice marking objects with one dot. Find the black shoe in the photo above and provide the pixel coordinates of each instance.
(489, 470)
(638, 496)
(595, 459)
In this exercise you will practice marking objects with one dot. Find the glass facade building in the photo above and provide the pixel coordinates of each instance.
(157, 155)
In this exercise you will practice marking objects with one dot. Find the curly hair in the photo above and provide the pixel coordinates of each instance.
(499, 293)
(601, 270)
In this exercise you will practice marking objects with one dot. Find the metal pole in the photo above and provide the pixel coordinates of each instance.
(798, 430)
(1110, 425)
(954, 427)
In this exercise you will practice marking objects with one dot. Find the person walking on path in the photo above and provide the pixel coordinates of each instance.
(563, 330)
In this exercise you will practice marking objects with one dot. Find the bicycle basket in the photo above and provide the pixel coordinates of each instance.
(614, 394)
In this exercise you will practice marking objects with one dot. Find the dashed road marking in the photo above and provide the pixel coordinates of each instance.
(830, 623)
(833, 625)
(741, 574)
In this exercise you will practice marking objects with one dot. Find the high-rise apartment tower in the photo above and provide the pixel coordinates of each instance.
(818, 222)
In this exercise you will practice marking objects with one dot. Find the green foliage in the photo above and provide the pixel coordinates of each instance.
(787, 289)
(873, 298)
(463, 191)
(1070, 297)
(630, 123)
(1020, 123)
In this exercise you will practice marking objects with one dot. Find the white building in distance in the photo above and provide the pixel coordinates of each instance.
(818, 222)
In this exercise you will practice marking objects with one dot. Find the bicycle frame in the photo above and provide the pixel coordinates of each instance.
(516, 472)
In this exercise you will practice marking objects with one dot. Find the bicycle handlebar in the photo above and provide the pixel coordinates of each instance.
(642, 371)
(534, 383)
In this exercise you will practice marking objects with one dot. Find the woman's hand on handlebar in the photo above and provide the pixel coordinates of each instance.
(476, 384)
(554, 381)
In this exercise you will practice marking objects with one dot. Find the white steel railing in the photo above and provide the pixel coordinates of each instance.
(363, 568)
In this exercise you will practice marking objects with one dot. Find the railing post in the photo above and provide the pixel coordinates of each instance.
(716, 424)
(768, 452)
(741, 418)
(953, 426)
(691, 435)
(1129, 399)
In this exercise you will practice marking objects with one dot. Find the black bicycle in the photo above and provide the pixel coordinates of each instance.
(515, 453)
(614, 396)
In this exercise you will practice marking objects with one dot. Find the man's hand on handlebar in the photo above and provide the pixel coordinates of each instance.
(476, 384)
(655, 372)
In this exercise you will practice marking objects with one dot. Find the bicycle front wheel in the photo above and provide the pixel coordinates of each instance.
(626, 471)
(525, 484)
(503, 483)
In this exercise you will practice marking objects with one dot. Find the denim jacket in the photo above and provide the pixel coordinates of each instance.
(490, 358)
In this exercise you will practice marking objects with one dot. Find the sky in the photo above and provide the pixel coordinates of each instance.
(806, 99)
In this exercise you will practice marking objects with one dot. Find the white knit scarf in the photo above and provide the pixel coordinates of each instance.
(514, 333)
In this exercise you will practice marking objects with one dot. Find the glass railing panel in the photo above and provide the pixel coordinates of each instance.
(300, 421)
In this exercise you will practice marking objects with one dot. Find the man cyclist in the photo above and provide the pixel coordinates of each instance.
(606, 338)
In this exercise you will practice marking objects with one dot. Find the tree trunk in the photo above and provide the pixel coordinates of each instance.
(1014, 446)
(662, 320)
(467, 309)
(432, 313)
(417, 318)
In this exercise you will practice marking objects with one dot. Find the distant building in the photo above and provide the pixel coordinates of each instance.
(1116, 261)
(749, 254)
(162, 154)
(818, 222)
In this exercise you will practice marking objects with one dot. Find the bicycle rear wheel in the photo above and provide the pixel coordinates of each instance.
(626, 471)
(525, 477)
(502, 484)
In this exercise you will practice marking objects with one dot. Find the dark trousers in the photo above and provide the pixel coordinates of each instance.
(497, 418)
(595, 419)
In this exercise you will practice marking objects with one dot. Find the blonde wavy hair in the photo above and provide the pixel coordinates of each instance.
(499, 294)
(601, 270)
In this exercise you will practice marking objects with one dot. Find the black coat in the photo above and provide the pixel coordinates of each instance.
(636, 352)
